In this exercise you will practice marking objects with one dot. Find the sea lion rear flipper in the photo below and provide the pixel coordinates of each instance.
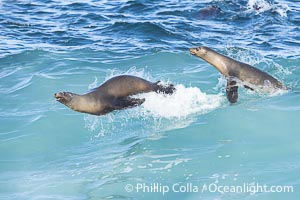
(166, 89)
(232, 91)
(127, 102)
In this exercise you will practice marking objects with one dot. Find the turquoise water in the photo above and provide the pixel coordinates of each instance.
(194, 137)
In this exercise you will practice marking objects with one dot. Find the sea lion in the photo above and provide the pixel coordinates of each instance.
(114, 94)
(209, 12)
(251, 77)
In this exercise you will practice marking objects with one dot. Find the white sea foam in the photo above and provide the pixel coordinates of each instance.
(184, 102)
(260, 6)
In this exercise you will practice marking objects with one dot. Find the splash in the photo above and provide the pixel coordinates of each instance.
(261, 6)
(158, 113)
(184, 102)
(245, 55)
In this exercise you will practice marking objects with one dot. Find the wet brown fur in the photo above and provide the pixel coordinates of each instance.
(114, 94)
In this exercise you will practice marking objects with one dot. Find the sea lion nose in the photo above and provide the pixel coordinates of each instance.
(193, 51)
(58, 95)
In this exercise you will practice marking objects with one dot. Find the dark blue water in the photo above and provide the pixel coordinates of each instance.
(192, 139)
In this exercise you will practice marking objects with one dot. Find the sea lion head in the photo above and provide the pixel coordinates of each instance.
(199, 51)
(217, 60)
(80, 103)
(65, 98)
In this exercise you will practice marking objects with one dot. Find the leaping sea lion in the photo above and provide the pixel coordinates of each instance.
(114, 94)
(234, 70)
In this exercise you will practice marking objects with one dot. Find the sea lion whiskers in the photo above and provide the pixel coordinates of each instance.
(63, 97)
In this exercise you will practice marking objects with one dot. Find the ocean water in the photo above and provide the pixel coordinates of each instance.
(190, 145)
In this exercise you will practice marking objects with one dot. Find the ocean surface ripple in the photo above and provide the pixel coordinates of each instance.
(147, 26)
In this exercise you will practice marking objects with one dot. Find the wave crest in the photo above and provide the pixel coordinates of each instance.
(261, 6)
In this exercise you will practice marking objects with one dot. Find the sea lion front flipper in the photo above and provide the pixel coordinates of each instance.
(127, 102)
(232, 91)
(247, 87)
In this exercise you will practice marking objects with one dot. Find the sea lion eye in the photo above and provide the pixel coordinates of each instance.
(198, 49)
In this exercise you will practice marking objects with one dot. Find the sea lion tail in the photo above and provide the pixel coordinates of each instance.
(165, 89)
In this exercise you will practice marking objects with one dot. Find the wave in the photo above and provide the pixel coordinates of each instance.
(184, 102)
(140, 28)
(22, 83)
(136, 26)
(159, 112)
(133, 7)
